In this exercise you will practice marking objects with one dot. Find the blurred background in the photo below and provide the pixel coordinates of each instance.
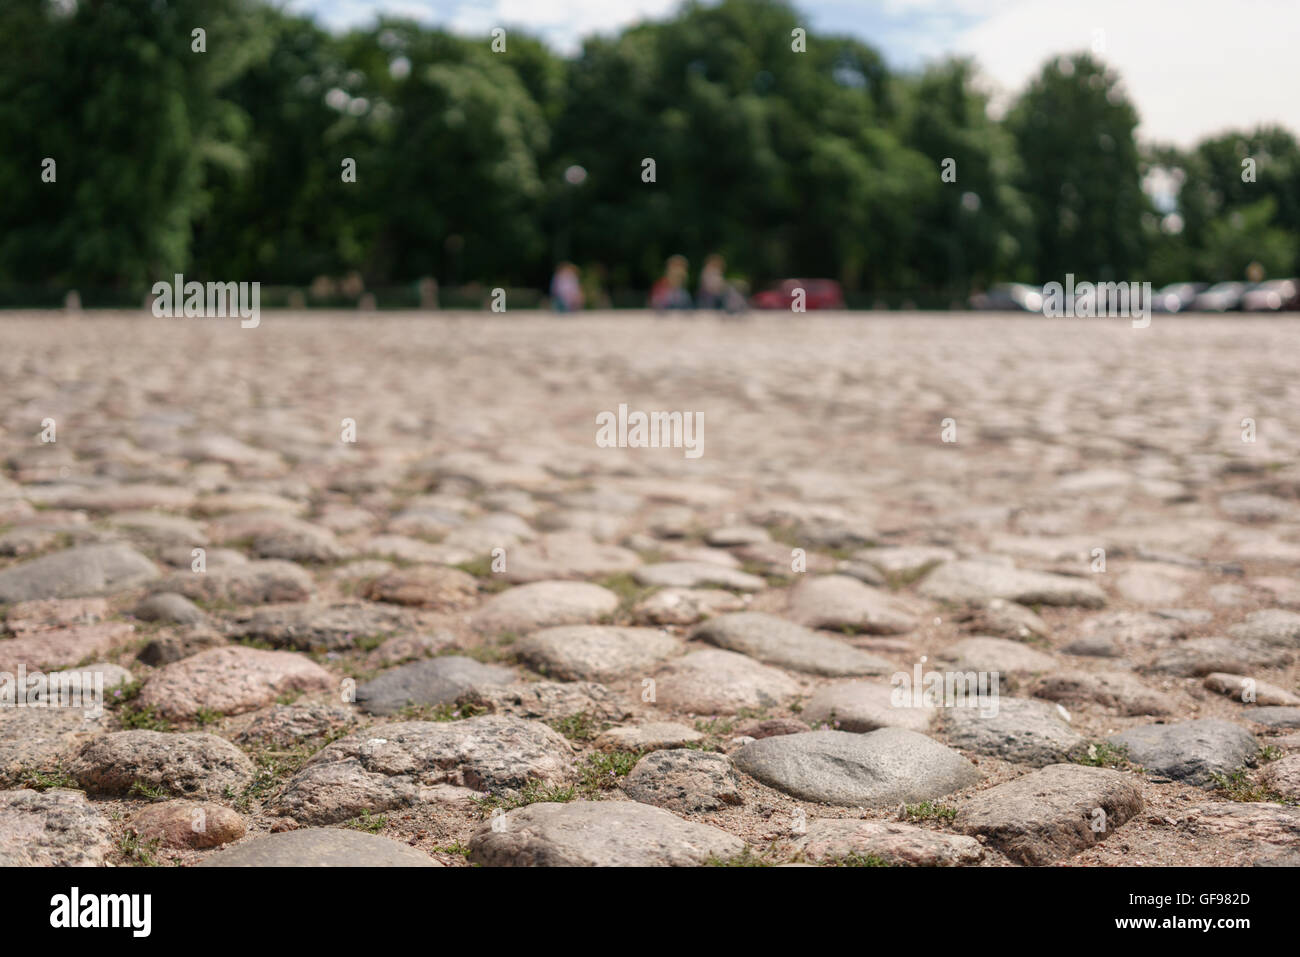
(478, 169)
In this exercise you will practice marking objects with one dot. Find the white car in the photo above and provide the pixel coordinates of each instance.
(1221, 297)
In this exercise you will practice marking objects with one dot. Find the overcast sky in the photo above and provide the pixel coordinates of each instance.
(1193, 67)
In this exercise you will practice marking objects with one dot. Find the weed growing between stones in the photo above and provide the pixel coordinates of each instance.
(44, 780)
(136, 852)
(1103, 754)
(136, 717)
(448, 711)
(1237, 786)
(603, 769)
(533, 792)
(148, 792)
(580, 727)
(927, 811)
(370, 823)
(746, 858)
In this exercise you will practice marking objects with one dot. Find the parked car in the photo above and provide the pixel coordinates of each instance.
(818, 294)
(1010, 296)
(1276, 295)
(1222, 297)
(1176, 297)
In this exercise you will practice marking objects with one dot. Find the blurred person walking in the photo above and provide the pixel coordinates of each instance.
(566, 289)
(669, 291)
(713, 284)
(715, 292)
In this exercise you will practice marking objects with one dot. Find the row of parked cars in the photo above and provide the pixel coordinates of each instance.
(1274, 295)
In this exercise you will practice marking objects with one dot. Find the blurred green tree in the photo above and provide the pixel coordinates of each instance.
(1246, 235)
(969, 231)
(132, 115)
(1236, 200)
(1074, 129)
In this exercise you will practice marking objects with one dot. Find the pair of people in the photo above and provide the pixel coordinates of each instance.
(670, 292)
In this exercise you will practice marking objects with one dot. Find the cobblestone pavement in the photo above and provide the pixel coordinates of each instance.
(406, 590)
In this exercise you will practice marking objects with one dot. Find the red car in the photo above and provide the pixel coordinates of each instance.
(818, 294)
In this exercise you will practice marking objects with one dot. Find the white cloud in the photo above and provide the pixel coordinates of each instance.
(564, 23)
(1192, 67)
